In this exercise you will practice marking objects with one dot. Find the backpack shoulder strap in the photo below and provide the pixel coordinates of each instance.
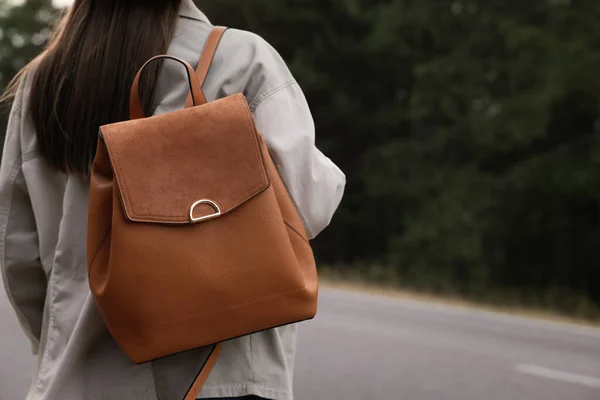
(210, 362)
(210, 48)
(209, 52)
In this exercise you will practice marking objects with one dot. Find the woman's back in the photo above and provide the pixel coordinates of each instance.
(43, 234)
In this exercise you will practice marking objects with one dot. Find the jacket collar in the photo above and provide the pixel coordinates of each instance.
(189, 10)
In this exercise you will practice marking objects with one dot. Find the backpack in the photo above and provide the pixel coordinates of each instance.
(192, 236)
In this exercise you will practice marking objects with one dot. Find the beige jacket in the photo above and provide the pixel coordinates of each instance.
(43, 229)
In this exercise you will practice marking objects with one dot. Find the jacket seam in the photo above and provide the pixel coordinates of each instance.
(14, 171)
(17, 110)
(242, 385)
(30, 155)
(194, 19)
(268, 93)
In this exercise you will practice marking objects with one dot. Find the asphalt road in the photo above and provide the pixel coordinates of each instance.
(363, 347)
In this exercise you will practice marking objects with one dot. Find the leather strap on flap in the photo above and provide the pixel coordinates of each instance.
(195, 388)
(206, 59)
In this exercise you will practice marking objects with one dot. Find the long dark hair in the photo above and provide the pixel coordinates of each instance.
(82, 80)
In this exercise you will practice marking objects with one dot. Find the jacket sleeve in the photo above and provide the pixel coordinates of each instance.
(315, 183)
(22, 273)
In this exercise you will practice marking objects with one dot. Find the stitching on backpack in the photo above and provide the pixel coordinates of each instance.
(296, 232)
(117, 163)
(195, 316)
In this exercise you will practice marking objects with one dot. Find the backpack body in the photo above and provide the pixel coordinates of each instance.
(192, 236)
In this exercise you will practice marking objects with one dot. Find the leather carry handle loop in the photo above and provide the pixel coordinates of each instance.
(136, 110)
(210, 362)
(208, 54)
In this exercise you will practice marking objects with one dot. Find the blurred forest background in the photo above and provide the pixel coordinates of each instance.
(468, 131)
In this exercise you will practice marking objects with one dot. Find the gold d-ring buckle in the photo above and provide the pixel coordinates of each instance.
(211, 216)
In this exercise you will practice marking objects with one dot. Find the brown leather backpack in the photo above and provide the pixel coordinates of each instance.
(192, 236)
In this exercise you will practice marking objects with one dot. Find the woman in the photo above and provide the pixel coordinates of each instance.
(80, 82)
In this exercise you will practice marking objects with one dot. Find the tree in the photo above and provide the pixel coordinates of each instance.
(24, 30)
(467, 131)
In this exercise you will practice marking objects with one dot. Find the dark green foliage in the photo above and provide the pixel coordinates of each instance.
(24, 29)
(468, 131)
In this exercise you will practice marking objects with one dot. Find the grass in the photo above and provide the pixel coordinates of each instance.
(355, 280)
